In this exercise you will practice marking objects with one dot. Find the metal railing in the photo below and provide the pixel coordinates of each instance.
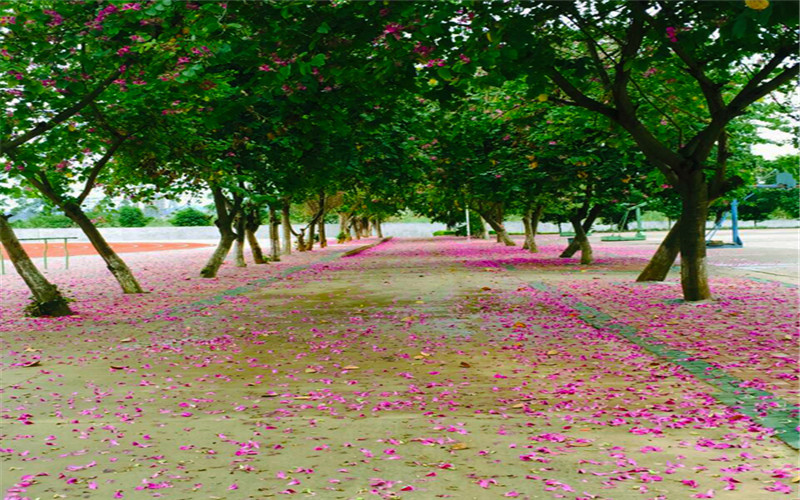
(44, 254)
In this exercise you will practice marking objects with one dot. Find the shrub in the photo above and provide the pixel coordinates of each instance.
(42, 221)
(131, 217)
(190, 217)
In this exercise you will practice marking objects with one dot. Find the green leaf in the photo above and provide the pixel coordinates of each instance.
(324, 28)
(318, 60)
(444, 73)
(740, 26)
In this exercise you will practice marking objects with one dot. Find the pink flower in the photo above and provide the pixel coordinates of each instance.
(485, 483)
(422, 50)
(124, 50)
(132, 6)
(56, 20)
(671, 34)
(779, 487)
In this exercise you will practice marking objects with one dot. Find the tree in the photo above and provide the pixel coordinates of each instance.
(47, 300)
(664, 71)
(89, 89)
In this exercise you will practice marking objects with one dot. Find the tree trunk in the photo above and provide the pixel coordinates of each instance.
(225, 218)
(378, 228)
(535, 217)
(239, 250)
(356, 225)
(344, 228)
(311, 232)
(323, 238)
(255, 247)
(252, 223)
(47, 300)
(500, 230)
(484, 233)
(274, 241)
(218, 257)
(117, 266)
(694, 275)
(661, 262)
(287, 228)
(587, 226)
(582, 241)
(526, 224)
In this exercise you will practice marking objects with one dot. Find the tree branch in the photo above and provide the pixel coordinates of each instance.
(60, 117)
(579, 98)
(98, 166)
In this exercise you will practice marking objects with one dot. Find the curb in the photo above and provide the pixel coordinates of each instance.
(258, 283)
(360, 249)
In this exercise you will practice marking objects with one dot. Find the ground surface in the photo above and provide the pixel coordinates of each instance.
(416, 369)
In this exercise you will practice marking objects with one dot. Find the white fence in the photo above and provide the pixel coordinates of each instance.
(396, 229)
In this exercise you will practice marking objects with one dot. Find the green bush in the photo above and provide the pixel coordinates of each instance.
(190, 217)
(43, 221)
(131, 217)
(444, 233)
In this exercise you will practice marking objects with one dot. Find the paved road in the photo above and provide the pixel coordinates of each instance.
(419, 369)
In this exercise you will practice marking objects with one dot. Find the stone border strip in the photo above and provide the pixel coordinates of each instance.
(360, 249)
(256, 284)
(742, 399)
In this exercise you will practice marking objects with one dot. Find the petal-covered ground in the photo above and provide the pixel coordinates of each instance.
(421, 369)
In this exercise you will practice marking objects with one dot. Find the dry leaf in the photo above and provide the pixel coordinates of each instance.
(425, 354)
(796, 479)
(114, 367)
(519, 325)
(485, 288)
(464, 364)
(350, 367)
(310, 370)
(302, 397)
(551, 353)
(31, 349)
(519, 405)
(126, 339)
(419, 356)
(459, 446)
(31, 363)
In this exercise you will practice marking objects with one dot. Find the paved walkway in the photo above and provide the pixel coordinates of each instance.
(417, 369)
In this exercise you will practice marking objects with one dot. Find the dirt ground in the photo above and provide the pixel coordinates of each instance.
(423, 369)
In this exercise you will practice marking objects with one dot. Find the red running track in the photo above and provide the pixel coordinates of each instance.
(56, 248)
